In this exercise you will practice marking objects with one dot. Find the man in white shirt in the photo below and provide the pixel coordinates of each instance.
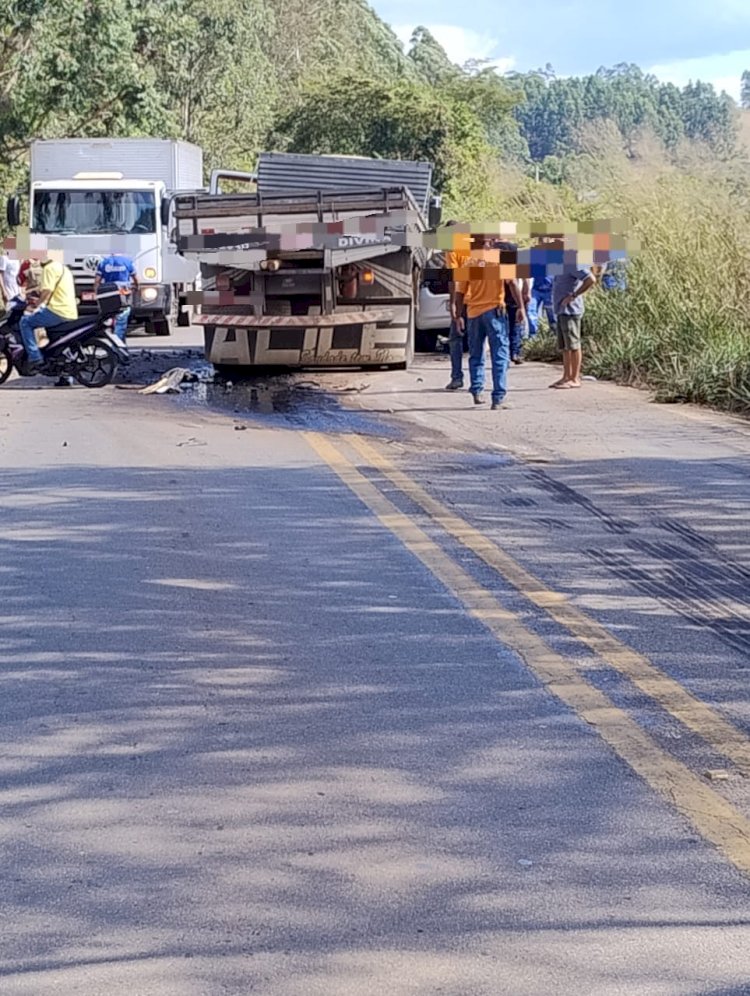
(9, 278)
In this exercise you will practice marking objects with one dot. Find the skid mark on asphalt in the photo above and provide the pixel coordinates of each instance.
(673, 577)
(712, 815)
(698, 717)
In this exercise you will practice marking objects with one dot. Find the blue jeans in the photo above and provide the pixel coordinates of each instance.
(456, 350)
(543, 306)
(532, 315)
(121, 325)
(515, 332)
(42, 319)
(492, 326)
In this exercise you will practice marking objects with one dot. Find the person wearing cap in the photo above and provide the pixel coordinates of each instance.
(482, 287)
(57, 304)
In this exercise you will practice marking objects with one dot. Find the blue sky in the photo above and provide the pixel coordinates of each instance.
(678, 41)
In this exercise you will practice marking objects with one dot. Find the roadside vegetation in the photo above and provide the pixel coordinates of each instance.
(321, 76)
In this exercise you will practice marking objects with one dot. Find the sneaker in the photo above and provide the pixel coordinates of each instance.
(478, 399)
(455, 385)
(34, 366)
(517, 360)
(499, 404)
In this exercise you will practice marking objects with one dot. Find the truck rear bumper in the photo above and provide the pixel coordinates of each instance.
(361, 338)
(380, 316)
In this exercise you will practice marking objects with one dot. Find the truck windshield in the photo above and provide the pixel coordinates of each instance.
(94, 212)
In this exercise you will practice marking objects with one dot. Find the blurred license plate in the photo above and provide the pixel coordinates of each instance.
(88, 296)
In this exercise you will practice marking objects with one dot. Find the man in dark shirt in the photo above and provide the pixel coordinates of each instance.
(515, 303)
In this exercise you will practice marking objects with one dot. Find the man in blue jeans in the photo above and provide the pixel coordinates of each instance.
(482, 290)
(120, 270)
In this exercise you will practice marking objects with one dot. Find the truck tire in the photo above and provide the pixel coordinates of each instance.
(183, 311)
(157, 326)
(409, 345)
(164, 324)
(426, 341)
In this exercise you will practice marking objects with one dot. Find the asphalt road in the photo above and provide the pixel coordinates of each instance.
(334, 686)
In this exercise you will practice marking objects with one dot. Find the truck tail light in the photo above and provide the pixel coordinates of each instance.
(367, 276)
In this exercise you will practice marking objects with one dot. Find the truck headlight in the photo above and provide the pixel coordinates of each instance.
(149, 294)
(149, 273)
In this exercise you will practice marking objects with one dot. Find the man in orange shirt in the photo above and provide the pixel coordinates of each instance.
(481, 285)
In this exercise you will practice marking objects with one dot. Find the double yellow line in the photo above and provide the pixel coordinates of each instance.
(709, 812)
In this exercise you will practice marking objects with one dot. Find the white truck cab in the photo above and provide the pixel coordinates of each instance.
(93, 197)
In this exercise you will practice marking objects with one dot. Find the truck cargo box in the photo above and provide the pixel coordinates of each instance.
(179, 165)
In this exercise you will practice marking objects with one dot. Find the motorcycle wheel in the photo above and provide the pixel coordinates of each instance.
(6, 365)
(97, 365)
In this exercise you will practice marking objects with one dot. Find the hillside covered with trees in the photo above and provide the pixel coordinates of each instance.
(236, 76)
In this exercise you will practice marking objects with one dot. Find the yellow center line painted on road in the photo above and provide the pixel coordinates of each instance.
(697, 716)
(711, 815)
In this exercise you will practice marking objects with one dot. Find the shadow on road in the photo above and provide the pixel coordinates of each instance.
(249, 744)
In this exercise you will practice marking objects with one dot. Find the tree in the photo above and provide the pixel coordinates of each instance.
(52, 86)
(401, 120)
(430, 58)
(216, 84)
(745, 89)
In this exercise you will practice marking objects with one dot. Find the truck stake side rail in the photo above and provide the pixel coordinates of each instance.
(325, 205)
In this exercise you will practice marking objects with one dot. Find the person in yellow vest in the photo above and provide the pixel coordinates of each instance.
(57, 304)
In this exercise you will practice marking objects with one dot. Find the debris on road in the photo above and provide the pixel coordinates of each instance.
(170, 382)
(717, 775)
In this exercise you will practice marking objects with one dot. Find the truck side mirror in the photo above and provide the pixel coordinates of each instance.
(13, 211)
(436, 212)
(165, 205)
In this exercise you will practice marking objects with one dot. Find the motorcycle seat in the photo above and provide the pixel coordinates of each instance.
(73, 325)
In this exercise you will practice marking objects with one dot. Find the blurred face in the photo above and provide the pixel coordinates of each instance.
(554, 241)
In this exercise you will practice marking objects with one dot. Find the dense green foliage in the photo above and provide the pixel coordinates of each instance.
(238, 75)
(217, 74)
(554, 111)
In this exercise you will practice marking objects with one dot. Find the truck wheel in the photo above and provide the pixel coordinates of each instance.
(183, 312)
(157, 326)
(426, 342)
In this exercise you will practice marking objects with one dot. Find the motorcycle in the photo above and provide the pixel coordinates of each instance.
(85, 349)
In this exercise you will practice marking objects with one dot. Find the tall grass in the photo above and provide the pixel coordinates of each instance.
(682, 327)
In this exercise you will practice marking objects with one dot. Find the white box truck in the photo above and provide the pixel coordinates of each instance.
(91, 197)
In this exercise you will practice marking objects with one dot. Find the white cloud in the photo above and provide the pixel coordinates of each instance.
(724, 71)
(460, 44)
